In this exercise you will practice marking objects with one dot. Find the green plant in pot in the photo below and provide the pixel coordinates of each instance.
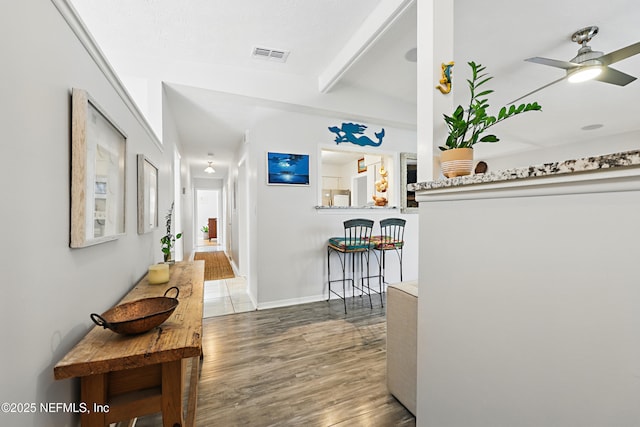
(205, 231)
(168, 239)
(468, 127)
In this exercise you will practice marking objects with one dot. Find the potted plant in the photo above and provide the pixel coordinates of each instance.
(168, 239)
(205, 231)
(466, 127)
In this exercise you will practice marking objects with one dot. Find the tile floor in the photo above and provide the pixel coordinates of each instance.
(226, 296)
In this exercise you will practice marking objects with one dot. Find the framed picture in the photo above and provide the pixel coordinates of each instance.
(98, 157)
(287, 169)
(147, 195)
(362, 167)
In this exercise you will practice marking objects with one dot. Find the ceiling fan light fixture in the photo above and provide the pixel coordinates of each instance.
(583, 74)
(209, 169)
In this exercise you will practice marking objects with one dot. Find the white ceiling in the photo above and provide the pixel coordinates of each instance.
(509, 32)
(200, 50)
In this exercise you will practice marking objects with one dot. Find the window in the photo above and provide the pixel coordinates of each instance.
(349, 178)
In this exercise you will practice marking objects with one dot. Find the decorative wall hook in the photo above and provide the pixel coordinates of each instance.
(445, 80)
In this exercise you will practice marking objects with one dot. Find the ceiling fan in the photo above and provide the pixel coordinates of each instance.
(589, 64)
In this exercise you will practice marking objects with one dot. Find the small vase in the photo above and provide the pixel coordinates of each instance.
(456, 162)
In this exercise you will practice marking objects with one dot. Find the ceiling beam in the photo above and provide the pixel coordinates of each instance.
(376, 24)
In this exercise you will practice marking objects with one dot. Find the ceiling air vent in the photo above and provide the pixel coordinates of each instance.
(277, 55)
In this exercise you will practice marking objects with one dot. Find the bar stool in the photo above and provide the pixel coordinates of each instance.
(356, 241)
(391, 239)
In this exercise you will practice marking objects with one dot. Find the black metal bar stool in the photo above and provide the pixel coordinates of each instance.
(356, 241)
(391, 239)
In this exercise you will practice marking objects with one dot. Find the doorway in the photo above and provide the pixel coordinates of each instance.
(208, 214)
(360, 193)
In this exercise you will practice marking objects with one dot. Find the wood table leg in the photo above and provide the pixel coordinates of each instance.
(172, 388)
(193, 392)
(93, 392)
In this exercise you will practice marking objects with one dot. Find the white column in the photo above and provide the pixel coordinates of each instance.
(435, 46)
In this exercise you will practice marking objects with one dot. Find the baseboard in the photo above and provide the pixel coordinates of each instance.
(233, 266)
(292, 301)
(306, 300)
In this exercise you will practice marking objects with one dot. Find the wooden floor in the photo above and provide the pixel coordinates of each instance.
(305, 365)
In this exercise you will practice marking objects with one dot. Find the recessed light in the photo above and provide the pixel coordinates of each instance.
(592, 127)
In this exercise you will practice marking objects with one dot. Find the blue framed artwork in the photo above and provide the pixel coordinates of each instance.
(287, 169)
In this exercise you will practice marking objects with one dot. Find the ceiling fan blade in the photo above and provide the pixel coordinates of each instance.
(620, 54)
(613, 76)
(565, 65)
(537, 90)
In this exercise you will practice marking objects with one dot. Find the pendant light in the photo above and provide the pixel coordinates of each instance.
(209, 169)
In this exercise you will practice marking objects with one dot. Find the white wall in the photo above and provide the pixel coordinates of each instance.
(233, 242)
(592, 145)
(530, 315)
(48, 289)
(183, 210)
(291, 235)
(528, 305)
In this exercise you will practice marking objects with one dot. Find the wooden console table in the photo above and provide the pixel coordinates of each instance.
(124, 377)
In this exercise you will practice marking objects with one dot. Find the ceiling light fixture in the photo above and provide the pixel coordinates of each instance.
(583, 74)
(209, 169)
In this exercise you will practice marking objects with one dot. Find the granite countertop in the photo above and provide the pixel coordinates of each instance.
(356, 207)
(587, 164)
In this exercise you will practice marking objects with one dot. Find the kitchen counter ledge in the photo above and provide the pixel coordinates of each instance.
(611, 172)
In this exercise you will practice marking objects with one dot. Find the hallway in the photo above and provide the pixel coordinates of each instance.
(224, 296)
